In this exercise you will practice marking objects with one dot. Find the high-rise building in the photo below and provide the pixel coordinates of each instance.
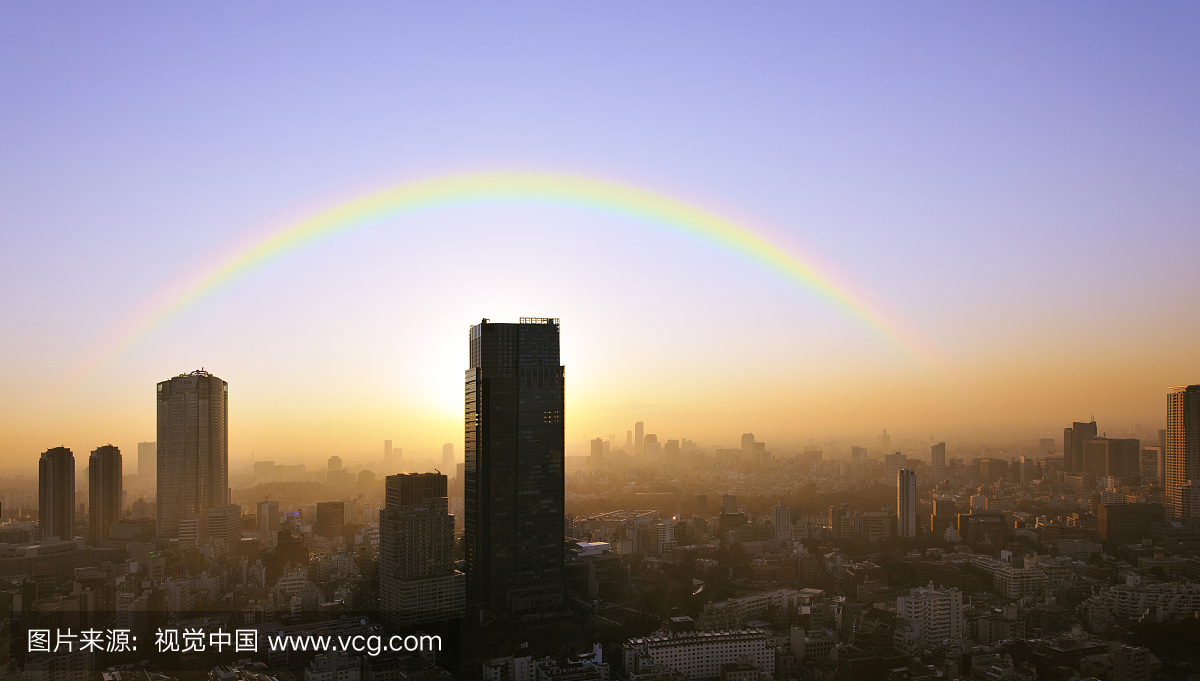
(892, 463)
(906, 503)
(639, 439)
(514, 493)
(596, 456)
(448, 457)
(56, 494)
(387, 452)
(747, 446)
(783, 518)
(1073, 442)
(1153, 468)
(417, 580)
(104, 492)
(1182, 449)
(193, 449)
(147, 460)
(937, 461)
(268, 520)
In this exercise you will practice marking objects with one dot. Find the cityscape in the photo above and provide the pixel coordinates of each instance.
(869, 347)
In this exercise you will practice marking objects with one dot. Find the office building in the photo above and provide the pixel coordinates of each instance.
(104, 492)
(1112, 457)
(892, 463)
(1182, 449)
(784, 519)
(448, 458)
(1153, 465)
(268, 520)
(906, 503)
(56, 494)
(937, 462)
(387, 452)
(147, 460)
(1073, 441)
(514, 493)
(1121, 523)
(331, 518)
(417, 580)
(699, 655)
(639, 438)
(193, 448)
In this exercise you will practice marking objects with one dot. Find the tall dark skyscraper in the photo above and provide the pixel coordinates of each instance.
(193, 449)
(937, 461)
(1182, 451)
(104, 492)
(56, 494)
(417, 579)
(514, 492)
(1074, 439)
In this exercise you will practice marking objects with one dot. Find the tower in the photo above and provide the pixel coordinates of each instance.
(1182, 450)
(56, 494)
(193, 449)
(104, 492)
(514, 491)
(639, 439)
(937, 461)
(1074, 439)
(417, 580)
(448, 457)
(906, 503)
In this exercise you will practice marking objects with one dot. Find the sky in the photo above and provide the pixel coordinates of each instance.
(1011, 190)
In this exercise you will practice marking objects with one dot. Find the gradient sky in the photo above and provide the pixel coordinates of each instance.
(1016, 184)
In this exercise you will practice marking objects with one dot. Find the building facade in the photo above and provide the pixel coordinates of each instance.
(1182, 449)
(104, 492)
(193, 449)
(906, 503)
(417, 580)
(56, 494)
(514, 493)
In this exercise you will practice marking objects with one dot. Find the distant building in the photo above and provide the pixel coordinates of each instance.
(932, 615)
(937, 461)
(906, 504)
(56, 494)
(104, 492)
(147, 460)
(448, 458)
(698, 655)
(1182, 450)
(1127, 523)
(639, 439)
(1073, 442)
(330, 520)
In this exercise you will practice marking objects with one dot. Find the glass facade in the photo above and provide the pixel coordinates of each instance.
(514, 487)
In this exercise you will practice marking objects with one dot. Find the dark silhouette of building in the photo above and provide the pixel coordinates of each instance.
(330, 520)
(193, 449)
(417, 580)
(1073, 442)
(56, 494)
(1127, 523)
(104, 492)
(1182, 448)
(514, 487)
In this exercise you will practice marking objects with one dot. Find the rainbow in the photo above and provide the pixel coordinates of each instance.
(456, 190)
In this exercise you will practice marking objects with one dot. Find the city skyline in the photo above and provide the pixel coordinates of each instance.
(933, 176)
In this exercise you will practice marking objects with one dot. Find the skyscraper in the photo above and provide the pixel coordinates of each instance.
(1182, 451)
(147, 460)
(56, 494)
(104, 492)
(193, 449)
(639, 439)
(514, 492)
(448, 457)
(1074, 439)
(906, 503)
(937, 461)
(417, 580)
